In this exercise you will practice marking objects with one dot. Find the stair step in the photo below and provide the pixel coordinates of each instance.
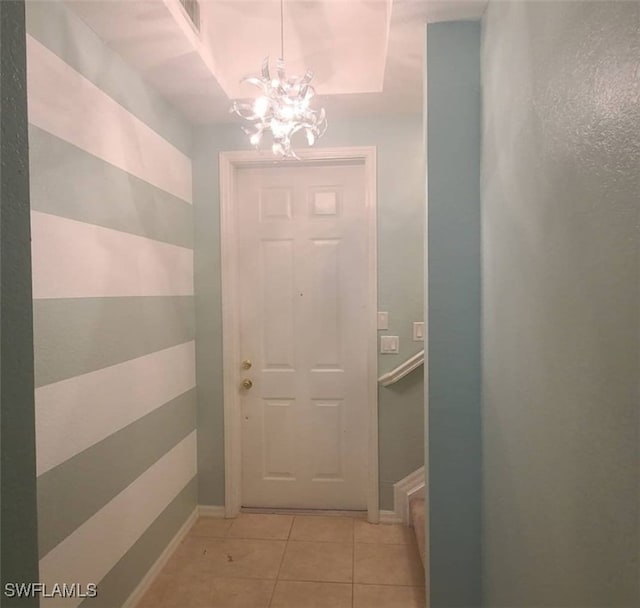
(416, 511)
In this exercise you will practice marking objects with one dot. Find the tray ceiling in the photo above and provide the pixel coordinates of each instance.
(366, 55)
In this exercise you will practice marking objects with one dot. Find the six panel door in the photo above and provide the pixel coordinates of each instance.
(302, 277)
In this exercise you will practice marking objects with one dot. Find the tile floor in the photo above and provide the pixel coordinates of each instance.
(291, 561)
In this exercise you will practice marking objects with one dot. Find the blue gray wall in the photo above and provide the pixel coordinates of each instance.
(114, 320)
(453, 128)
(561, 303)
(18, 516)
(400, 254)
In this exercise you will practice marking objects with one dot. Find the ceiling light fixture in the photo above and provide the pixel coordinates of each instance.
(283, 108)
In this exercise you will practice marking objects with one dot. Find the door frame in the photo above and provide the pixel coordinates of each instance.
(229, 163)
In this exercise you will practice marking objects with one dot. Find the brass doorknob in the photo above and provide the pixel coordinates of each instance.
(247, 384)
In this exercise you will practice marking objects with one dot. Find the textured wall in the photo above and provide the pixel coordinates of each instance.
(453, 114)
(400, 267)
(561, 302)
(19, 552)
(114, 317)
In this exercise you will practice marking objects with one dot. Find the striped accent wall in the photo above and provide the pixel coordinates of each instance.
(112, 247)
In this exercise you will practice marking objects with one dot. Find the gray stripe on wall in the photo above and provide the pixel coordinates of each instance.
(72, 492)
(66, 35)
(19, 547)
(72, 183)
(124, 577)
(77, 336)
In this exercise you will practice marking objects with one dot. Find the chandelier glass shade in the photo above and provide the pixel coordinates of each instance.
(282, 109)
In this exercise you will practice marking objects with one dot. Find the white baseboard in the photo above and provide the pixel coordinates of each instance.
(210, 511)
(150, 576)
(389, 517)
(412, 485)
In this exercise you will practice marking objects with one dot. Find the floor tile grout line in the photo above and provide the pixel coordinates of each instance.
(309, 580)
(390, 585)
(293, 522)
(329, 582)
(284, 552)
(353, 565)
(226, 532)
(296, 540)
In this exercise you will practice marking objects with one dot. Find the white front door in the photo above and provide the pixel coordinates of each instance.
(302, 279)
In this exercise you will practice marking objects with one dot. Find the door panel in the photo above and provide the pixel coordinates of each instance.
(303, 263)
(277, 296)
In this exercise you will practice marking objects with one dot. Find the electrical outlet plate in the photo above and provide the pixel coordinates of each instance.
(383, 320)
(389, 345)
(418, 331)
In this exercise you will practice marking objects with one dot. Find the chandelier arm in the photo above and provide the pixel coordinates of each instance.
(265, 70)
(254, 80)
(247, 113)
(297, 128)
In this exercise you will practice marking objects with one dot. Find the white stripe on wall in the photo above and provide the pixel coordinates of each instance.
(74, 414)
(88, 554)
(66, 104)
(72, 259)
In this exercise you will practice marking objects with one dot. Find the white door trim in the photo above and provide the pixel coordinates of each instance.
(229, 163)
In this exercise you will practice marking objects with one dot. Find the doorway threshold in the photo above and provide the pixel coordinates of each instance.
(323, 512)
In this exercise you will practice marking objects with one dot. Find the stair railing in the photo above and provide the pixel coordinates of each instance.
(402, 370)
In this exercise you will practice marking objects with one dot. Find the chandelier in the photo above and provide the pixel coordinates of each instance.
(283, 107)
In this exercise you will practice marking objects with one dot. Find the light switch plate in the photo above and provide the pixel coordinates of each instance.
(383, 320)
(389, 345)
(418, 331)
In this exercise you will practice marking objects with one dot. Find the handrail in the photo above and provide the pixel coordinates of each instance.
(402, 370)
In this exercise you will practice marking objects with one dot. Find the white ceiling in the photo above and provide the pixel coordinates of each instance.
(344, 42)
(366, 55)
